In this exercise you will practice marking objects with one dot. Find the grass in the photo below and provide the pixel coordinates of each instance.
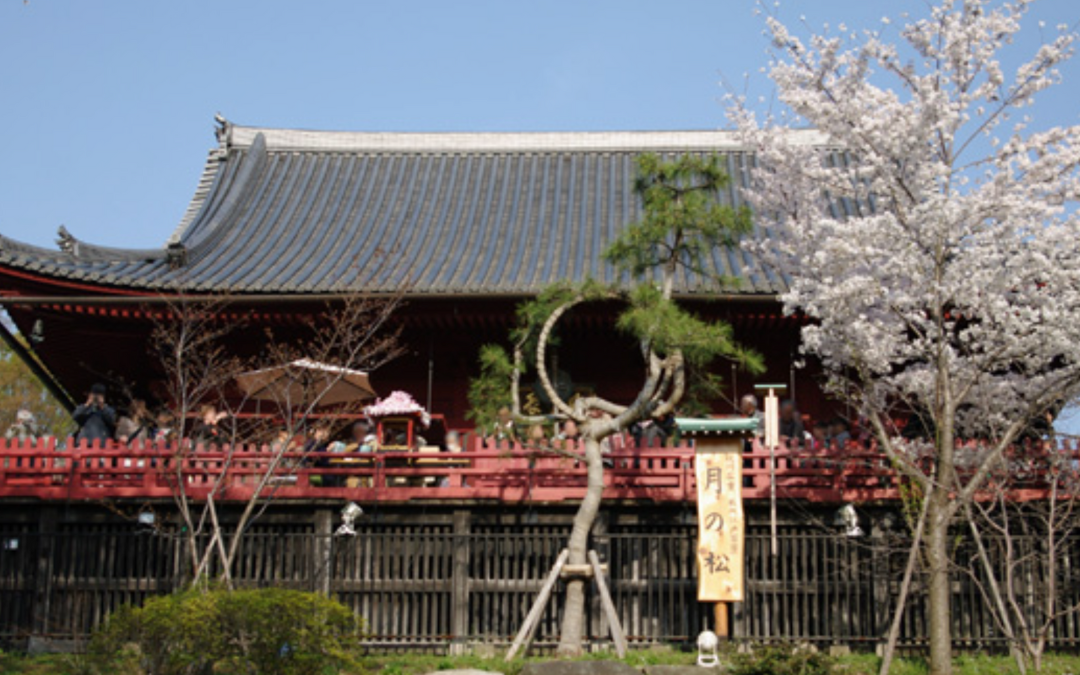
(963, 664)
(48, 664)
(419, 664)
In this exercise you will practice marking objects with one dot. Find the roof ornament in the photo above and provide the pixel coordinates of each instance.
(223, 132)
(176, 255)
(67, 243)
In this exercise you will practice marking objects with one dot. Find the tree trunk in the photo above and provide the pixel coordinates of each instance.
(905, 590)
(573, 621)
(939, 599)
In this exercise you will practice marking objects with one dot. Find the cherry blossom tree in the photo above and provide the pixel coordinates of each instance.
(932, 237)
(1035, 544)
(191, 340)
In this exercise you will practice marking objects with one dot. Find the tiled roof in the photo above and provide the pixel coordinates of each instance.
(287, 211)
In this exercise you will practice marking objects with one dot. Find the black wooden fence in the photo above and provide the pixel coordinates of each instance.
(433, 583)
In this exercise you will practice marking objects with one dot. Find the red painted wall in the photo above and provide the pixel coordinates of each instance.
(443, 338)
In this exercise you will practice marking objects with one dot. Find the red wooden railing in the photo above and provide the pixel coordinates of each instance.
(50, 470)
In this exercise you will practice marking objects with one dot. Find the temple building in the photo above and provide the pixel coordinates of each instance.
(465, 224)
(446, 551)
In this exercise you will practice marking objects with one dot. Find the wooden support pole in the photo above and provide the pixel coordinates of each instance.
(460, 582)
(601, 543)
(720, 624)
(32, 362)
(772, 439)
(47, 540)
(774, 546)
(532, 620)
(323, 558)
(579, 571)
(617, 635)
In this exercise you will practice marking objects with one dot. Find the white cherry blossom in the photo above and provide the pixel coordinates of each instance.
(935, 242)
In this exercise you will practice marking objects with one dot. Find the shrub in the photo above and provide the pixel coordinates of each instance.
(282, 632)
(271, 630)
(781, 660)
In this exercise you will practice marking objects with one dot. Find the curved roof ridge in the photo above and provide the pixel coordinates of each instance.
(76, 248)
(9, 246)
(73, 249)
(203, 190)
(506, 141)
(202, 228)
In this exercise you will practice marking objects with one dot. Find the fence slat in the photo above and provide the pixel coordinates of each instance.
(423, 583)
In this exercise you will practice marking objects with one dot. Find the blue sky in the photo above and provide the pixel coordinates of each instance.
(108, 106)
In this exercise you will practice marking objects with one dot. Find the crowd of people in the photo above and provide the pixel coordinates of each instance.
(656, 430)
(795, 429)
(100, 421)
(798, 431)
(330, 444)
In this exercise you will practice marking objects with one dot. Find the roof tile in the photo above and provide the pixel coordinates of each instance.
(297, 211)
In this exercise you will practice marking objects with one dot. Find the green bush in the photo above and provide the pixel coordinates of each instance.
(781, 660)
(268, 631)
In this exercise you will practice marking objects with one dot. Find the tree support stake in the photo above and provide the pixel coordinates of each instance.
(593, 569)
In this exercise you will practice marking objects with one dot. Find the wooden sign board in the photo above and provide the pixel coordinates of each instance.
(721, 525)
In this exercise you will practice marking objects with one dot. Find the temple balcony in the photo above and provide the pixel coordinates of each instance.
(53, 470)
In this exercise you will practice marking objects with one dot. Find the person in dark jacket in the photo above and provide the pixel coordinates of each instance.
(791, 425)
(96, 419)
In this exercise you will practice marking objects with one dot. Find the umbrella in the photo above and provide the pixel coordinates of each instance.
(398, 403)
(305, 381)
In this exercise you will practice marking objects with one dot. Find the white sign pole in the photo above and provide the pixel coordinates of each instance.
(772, 439)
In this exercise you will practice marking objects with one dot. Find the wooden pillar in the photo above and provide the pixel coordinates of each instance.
(737, 626)
(43, 575)
(460, 582)
(881, 581)
(720, 620)
(323, 551)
